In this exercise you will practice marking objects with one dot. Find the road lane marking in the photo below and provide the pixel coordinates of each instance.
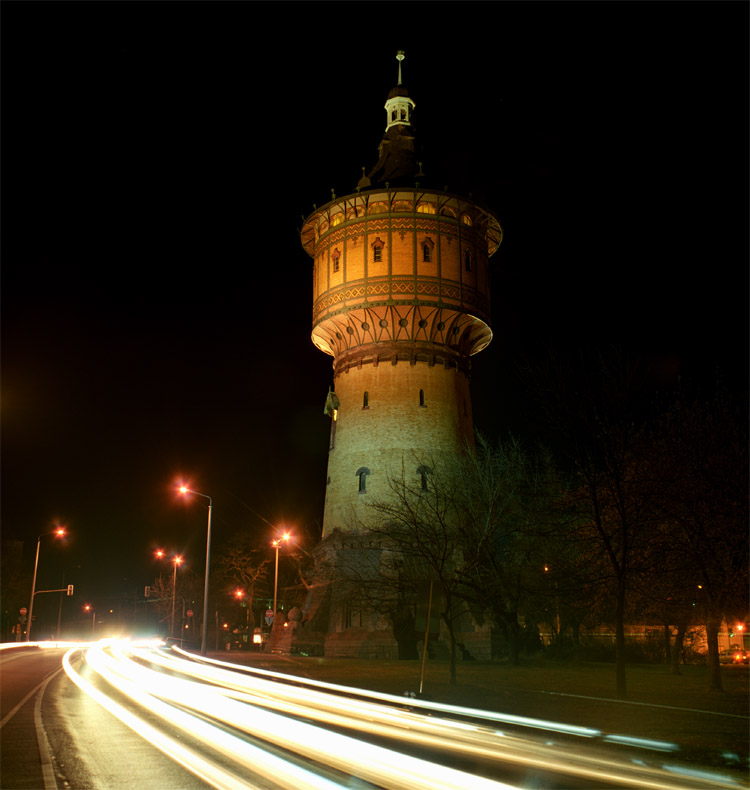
(8, 716)
(48, 771)
(645, 704)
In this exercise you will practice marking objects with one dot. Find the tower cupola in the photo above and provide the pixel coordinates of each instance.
(399, 107)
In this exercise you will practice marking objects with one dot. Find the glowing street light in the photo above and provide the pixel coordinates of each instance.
(58, 532)
(276, 543)
(185, 490)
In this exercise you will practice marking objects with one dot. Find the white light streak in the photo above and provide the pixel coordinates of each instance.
(281, 732)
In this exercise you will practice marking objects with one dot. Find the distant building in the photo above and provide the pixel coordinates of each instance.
(401, 301)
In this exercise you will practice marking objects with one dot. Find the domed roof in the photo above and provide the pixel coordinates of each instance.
(399, 90)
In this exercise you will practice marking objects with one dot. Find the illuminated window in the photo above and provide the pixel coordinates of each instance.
(402, 205)
(423, 472)
(337, 219)
(446, 211)
(361, 475)
(378, 207)
(336, 257)
(467, 220)
(423, 207)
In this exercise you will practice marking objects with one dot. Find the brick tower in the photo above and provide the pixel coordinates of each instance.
(401, 303)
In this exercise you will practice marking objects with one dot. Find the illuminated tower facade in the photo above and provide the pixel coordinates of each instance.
(401, 301)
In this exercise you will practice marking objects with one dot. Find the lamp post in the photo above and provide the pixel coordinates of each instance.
(59, 532)
(285, 537)
(176, 560)
(89, 608)
(186, 490)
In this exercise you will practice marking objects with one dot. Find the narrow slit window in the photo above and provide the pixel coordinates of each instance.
(377, 253)
(426, 252)
(467, 260)
(421, 397)
(336, 259)
(361, 475)
(366, 400)
(423, 472)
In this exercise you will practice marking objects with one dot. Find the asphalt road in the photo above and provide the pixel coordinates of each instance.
(127, 716)
(54, 736)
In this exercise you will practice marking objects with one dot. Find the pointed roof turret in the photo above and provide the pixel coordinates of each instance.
(397, 160)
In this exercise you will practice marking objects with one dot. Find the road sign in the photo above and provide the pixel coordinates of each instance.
(22, 610)
(189, 613)
(269, 616)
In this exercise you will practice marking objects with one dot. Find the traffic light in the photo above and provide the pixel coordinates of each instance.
(70, 589)
(147, 592)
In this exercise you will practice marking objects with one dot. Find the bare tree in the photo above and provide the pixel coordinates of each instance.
(596, 404)
(506, 496)
(419, 525)
(244, 566)
(703, 443)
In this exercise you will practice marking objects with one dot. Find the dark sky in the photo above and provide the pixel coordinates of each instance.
(157, 162)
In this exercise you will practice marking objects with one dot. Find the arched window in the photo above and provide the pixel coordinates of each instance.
(336, 258)
(361, 474)
(427, 247)
(423, 472)
(377, 250)
(467, 220)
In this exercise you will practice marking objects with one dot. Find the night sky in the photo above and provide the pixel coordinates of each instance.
(157, 160)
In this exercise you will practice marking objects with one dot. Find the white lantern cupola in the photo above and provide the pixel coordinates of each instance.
(399, 107)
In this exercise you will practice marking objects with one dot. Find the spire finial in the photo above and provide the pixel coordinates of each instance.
(399, 57)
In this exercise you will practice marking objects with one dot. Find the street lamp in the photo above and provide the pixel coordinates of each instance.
(176, 560)
(276, 543)
(57, 532)
(89, 608)
(185, 490)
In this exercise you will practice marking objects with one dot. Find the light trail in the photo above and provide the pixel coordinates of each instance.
(288, 732)
(385, 768)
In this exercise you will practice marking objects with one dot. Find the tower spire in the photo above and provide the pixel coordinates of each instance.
(399, 57)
